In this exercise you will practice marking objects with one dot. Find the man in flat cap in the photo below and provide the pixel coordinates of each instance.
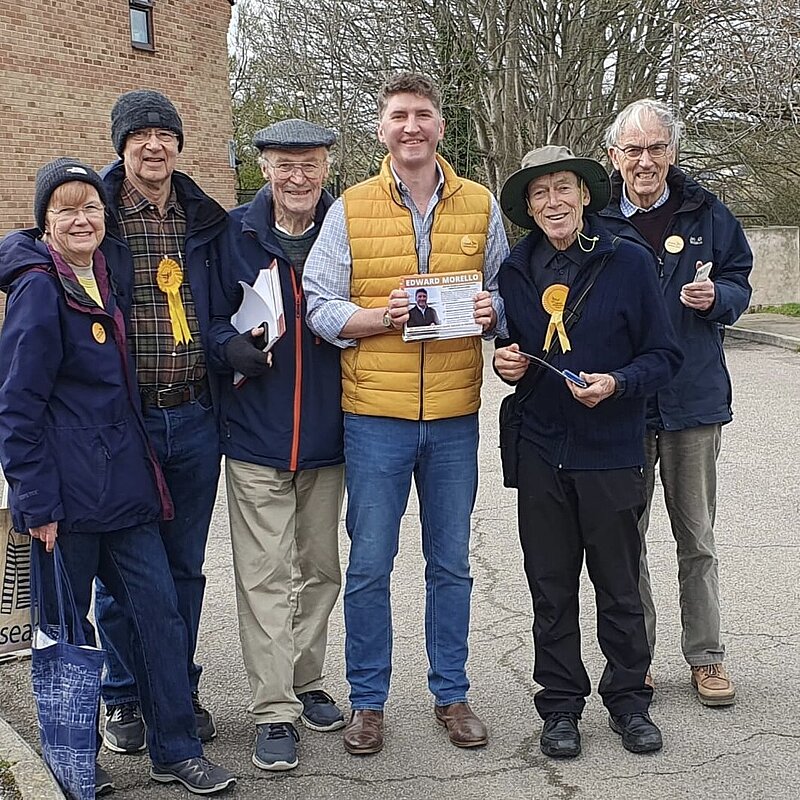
(282, 440)
(164, 232)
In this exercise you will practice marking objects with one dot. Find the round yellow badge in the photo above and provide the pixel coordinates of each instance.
(673, 244)
(99, 333)
(469, 246)
(554, 298)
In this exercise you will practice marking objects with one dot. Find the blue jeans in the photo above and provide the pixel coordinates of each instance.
(133, 567)
(186, 444)
(381, 455)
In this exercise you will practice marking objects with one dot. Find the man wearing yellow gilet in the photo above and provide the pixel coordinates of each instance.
(410, 407)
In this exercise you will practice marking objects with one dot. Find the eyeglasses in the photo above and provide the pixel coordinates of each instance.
(144, 135)
(634, 152)
(69, 214)
(286, 169)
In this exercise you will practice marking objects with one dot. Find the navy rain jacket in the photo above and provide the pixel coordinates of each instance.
(291, 418)
(72, 441)
(700, 394)
(206, 221)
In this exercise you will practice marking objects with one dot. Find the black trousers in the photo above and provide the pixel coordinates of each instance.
(563, 514)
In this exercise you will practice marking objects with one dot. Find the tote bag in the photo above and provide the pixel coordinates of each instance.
(15, 583)
(66, 686)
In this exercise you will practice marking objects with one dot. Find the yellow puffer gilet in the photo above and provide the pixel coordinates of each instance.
(383, 375)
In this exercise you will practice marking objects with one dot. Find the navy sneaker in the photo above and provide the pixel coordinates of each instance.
(320, 712)
(102, 781)
(124, 731)
(198, 775)
(276, 746)
(206, 729)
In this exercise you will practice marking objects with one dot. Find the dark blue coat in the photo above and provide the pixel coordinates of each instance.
(623, 328)
(700, 394)
(291, 418)
(206, 221)
(72, 442)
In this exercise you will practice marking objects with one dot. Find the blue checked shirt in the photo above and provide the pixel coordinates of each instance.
(326, 278)
(629, 208)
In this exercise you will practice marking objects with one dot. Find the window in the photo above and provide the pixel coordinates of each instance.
(142, 24)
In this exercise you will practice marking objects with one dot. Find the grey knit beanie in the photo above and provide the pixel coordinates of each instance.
(52, 175)
(143, 108)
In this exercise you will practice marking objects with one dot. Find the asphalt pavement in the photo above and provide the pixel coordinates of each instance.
(750, 750)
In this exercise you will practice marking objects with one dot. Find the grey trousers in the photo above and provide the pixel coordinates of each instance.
(285, 537)
(687, 462)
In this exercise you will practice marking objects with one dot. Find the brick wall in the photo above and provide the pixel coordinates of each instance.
(64, 62)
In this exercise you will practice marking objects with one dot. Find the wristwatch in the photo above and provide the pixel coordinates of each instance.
(387, 319)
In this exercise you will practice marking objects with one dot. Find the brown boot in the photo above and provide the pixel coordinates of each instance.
(463, 726)
(363, 734)
(714, 687)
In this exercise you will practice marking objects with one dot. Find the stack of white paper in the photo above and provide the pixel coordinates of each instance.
(261, 303)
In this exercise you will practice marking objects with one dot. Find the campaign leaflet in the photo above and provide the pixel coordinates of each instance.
(441, 305)
(261, 306)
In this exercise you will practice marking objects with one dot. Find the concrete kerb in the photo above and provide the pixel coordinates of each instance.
(738, 331)
(33, 779)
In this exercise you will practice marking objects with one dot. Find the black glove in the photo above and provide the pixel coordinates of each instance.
(243, 354)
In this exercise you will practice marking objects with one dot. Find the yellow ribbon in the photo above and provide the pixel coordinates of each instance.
(170, 278)
(554, 300)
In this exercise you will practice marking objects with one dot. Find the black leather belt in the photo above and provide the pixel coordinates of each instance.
(174, 395)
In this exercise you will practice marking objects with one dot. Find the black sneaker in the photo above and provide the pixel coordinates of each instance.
(198, 775)
(124, 731)
(276, 746)
(206, 729)
(560, 736)
(320, 712)
(102, 781)
(639, 733)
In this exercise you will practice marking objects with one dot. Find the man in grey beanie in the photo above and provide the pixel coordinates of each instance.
(164, 233)
(283, 449)
(140, 110)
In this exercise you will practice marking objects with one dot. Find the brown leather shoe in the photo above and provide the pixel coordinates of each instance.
(714, 687)
(463, 726)
(363, 734)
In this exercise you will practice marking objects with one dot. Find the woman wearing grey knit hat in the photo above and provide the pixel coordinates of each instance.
(81, 472)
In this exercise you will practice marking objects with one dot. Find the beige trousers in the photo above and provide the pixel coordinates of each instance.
(284, 532)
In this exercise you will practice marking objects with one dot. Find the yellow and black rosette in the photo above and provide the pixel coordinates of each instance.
(554, 301)
(170, 278)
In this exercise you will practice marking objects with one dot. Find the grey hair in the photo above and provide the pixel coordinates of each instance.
(637, 114)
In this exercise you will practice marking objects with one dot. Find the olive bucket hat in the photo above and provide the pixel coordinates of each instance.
(544, 161)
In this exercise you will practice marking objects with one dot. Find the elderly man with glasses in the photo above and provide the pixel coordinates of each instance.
(162, 238)
(704, 262)
(282, 440)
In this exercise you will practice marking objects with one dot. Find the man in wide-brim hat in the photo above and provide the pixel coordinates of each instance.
(553, 160)
(589, 303)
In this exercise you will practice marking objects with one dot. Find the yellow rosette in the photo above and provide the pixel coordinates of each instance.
(554, 300)
(170, 278)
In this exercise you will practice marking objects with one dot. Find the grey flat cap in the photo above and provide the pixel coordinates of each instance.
(293, 134)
